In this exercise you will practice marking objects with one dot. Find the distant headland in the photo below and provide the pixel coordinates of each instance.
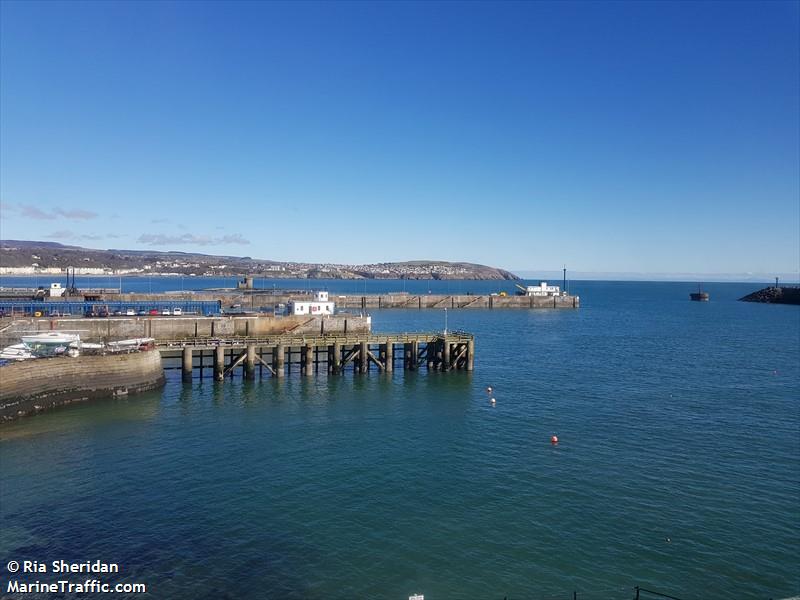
(33, 258)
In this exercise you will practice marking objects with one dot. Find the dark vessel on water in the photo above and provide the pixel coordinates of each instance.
(699, 295)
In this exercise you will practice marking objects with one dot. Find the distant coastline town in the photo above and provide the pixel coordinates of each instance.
(46, 258)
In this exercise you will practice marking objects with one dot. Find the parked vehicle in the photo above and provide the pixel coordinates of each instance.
(165, 312)
(130, 313)
(177, 312)
(153, 312)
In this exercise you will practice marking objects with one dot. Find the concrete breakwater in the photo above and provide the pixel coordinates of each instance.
(775, 295)
(441, 301)
(30, 386)
(266, 299)
(178, 328)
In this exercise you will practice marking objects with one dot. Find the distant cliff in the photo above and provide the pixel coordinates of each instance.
(19, 257)
(775, 295)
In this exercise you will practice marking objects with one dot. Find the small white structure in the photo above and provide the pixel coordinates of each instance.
(320, 305)
(56, 291)
(542, 290)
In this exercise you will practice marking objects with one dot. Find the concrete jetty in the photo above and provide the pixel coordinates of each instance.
(213, 302)
(218, 347)
(183, 327)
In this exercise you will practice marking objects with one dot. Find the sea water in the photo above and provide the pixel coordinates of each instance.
(677, 467)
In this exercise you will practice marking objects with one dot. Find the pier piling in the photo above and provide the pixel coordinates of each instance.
(278, 360)
(219, 363)
(187, 364)
(389, 358)
(278, 356)
(308, 362)
(250, 362)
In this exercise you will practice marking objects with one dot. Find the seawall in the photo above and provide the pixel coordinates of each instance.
(440, 301)
(178, 328)
(31, 386)
(266, 299)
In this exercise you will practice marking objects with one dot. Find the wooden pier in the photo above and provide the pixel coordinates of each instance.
(309, 355)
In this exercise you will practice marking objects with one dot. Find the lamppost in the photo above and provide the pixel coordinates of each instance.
(445, 321)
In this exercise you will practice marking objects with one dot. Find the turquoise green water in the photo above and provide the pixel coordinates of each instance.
(676, 420)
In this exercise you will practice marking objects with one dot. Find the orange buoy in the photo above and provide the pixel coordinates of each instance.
(553, 439)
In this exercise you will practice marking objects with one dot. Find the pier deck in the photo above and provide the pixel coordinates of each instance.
(278, 355)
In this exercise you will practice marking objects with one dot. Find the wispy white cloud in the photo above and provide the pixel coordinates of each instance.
(234, 238)
(67, 235)
(160, 239)
(76, 214)
(29, 211)
(32, 212)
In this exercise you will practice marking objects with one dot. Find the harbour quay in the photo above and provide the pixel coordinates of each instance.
(309, 355)
(455, 301)
(57, 364)
(167, 328)
(278, 300)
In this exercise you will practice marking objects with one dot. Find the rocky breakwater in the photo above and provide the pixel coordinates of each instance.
(34, 385)
(775, 295)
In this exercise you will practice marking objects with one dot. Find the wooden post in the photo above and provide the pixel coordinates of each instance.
(219, 363)
(445, 354)
(187, 363)
(414, 355)
(278, 360)
(431, 354)
(470, 355)
(250, 362)
(407, 356)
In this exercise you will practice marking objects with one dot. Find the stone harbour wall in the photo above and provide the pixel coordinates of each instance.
(178, 328)
(30, 386)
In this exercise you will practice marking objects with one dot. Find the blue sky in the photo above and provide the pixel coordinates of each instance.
(641, 137)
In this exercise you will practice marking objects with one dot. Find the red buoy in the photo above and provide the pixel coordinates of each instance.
(554, 439)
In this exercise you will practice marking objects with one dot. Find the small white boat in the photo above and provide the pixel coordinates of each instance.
(87, 346)
(51, 338)
(128, 345)
(51, 343)
(16, 352)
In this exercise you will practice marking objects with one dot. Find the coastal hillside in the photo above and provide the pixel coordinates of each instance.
(19, 257)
